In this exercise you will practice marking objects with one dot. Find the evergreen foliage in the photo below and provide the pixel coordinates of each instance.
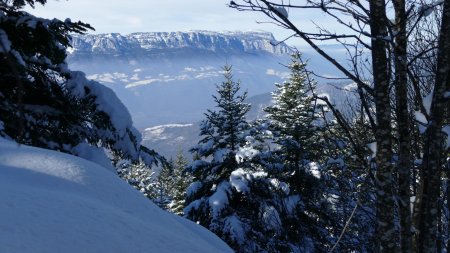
(286, 187)
(37, 107)
(45, 104)
(181, 181)
(263, 195)
(298, 125)
(326, 175)
(138, 175)
(212, 199)
(161, 186)
(166, 188)
(294, 115)
(223, 132)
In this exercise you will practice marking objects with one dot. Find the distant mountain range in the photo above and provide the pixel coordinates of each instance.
(167, 79)
(155, 43)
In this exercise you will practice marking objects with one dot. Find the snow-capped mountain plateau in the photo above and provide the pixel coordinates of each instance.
(150, 44)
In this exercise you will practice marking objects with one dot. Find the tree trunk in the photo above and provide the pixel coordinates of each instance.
(433, 157)
(403, 123)
(387, 238)
(448, 204)
(439, 228)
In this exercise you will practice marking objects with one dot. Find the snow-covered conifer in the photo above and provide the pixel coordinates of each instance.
(161, 186)
(137, 175)
(211, 198)
(294, 115)
(297, 125)
(44, 104)
(181, 181)
(223, 132)
(236, 193)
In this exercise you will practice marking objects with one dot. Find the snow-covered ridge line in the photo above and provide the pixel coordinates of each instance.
(168, 126)
(166, 132)
(138, 43)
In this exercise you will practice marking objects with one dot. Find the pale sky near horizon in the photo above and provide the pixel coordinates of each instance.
(121, 16)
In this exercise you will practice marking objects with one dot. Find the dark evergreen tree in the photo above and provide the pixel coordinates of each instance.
(161, 186)
(294, 116)
(264, 196)
(138, 175)
(236, 193)
(298, 123)
(37, 107)
(223, 133)
(211, 199)
(294, 120)
(181, 181)
(45, 104)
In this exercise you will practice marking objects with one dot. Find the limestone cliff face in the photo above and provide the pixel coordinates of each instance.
(151, 42)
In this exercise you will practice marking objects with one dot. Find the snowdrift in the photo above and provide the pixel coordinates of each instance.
(53, 202)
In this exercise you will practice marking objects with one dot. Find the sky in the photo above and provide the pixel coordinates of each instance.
(125, 16)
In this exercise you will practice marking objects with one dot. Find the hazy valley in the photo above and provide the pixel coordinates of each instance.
(167, 79)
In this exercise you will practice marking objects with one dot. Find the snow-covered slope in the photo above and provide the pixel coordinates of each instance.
(53, 202)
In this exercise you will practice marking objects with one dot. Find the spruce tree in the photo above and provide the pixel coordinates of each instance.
(294, 115)
(162, 185)
(235, 192)
(295, 122)
(44, 104)
(223, 131)
(37, 106)
(138, 175)
(211, 199)
(181, 180)
(298, 132)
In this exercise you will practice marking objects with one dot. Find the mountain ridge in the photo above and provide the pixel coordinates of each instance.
(145, 43)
